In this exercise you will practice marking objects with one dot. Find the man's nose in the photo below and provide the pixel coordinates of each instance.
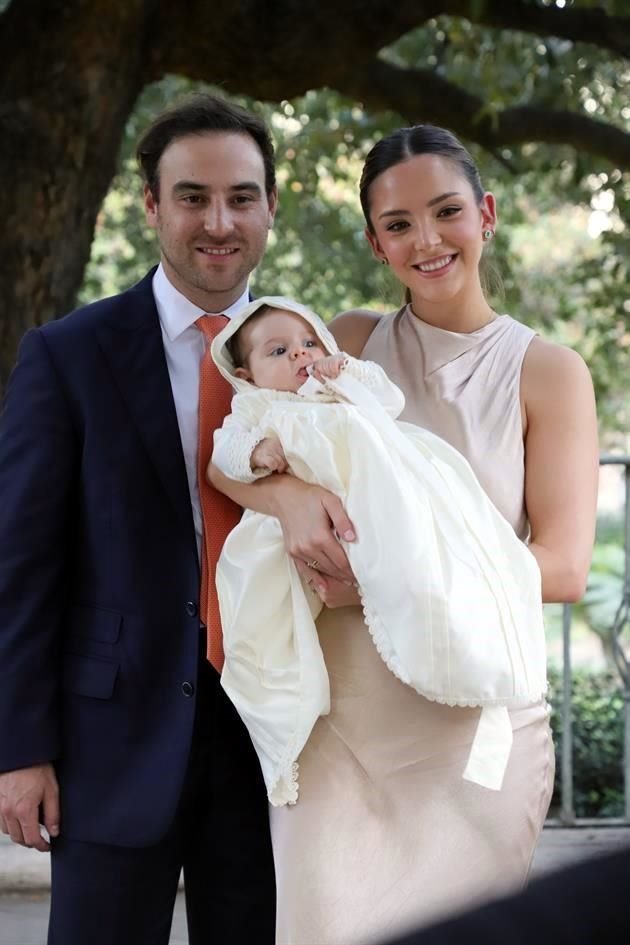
(217, 220)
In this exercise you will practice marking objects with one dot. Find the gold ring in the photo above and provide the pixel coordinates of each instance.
(314, 564)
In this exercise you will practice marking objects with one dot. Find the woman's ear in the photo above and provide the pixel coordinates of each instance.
(488, 209)
(375, 245)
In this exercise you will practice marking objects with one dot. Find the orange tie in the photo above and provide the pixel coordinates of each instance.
(218, 513)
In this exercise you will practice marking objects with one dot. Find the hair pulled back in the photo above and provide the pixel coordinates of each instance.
(405, 143)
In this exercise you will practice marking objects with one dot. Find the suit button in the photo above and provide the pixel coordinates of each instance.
(191, 608)
(188, 688)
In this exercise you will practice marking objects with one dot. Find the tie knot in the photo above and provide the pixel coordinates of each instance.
(211, 325)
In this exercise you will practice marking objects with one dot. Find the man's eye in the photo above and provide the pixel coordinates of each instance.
(192, 198)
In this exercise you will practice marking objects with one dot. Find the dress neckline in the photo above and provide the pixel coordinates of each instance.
(441, 346)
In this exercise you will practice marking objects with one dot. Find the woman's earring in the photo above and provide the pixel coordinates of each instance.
(384, 261)
(487, 235)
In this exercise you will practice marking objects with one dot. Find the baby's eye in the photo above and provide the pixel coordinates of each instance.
(310, 343)
(276, 352)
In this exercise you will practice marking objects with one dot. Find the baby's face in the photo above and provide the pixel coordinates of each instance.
(278, 347)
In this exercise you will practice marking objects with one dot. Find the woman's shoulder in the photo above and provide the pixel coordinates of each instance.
(352, 329)
(553, 370)
(545, 356)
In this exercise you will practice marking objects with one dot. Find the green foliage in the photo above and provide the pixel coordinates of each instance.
(597, 727)
(605, 587)
(561, 245)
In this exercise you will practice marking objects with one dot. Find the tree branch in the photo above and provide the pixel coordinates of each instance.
(578, 24)
(423, 96)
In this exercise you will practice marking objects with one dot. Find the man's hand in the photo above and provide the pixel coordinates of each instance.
(26, 794)
(269, 454)
(330, 367)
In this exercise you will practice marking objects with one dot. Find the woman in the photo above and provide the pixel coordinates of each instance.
(386, 833)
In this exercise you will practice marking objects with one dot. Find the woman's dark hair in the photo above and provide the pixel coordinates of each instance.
(405, 143)
(198, 115)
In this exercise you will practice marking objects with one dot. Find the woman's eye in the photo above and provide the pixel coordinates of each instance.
(448, 211)
(397, 226)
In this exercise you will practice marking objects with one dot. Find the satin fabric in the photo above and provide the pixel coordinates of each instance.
(386, 834)
(451, 597)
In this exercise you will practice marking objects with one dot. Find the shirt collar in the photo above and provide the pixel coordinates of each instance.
(176, 312)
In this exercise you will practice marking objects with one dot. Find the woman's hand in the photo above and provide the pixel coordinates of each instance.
(310, 517)
(333, 593)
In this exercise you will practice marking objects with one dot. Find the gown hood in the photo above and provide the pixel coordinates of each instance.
(221, 355)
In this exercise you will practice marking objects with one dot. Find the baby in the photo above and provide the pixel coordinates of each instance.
(450, 595)
(276, 349)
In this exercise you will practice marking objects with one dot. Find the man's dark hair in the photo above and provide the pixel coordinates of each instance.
(198, 115)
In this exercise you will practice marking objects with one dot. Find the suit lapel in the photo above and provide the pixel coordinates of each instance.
(132, 343)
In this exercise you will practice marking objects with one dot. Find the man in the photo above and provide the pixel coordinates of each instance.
(114, 731)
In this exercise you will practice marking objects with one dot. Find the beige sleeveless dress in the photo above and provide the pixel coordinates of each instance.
(386, 834)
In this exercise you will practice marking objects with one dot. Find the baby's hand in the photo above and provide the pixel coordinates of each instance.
(269, 455)
(330, 367)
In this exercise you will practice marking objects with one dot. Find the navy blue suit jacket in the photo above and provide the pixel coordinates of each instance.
(99, 575)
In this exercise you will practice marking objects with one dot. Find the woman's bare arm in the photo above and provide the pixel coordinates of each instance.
(309, 515)
(561, 466)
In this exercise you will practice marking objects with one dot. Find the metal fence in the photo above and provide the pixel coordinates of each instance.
(620, 625)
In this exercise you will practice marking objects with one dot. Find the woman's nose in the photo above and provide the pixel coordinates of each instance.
(427, 235)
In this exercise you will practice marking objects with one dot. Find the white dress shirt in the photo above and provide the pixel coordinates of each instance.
(184, 346)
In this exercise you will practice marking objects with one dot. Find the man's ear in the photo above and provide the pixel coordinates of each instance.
(150, 207)
(272, 199)
(244, 375)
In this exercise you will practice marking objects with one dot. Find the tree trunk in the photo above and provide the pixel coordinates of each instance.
(63, 109)
(72, 70)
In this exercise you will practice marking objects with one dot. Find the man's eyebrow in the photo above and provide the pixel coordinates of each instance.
(196, 187)
(182, 185)
(250, 185)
